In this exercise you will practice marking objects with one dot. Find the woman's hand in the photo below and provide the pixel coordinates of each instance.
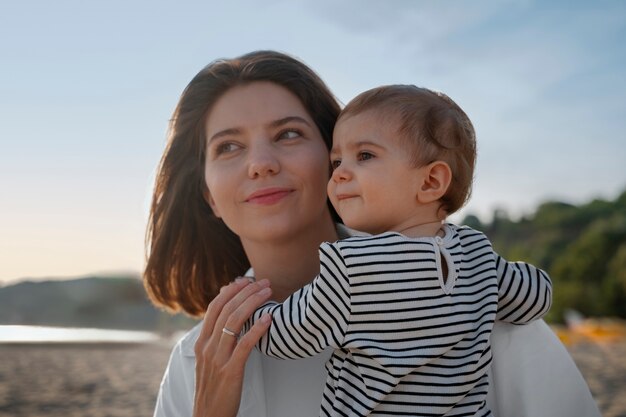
(221, 357)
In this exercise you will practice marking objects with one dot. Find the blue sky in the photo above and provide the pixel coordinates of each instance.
(87, 88)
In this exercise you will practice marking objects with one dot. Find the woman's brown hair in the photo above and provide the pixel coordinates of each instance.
(190, 252)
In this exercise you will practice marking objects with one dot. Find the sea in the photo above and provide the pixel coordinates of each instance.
(44, 334)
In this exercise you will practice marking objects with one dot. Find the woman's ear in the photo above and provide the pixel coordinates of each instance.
(435, 182)
(207, 197)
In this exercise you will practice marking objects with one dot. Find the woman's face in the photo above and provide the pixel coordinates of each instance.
(266, 163)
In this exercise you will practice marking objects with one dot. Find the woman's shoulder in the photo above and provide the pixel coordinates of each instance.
(175, 398)
(188, 340)
(532, 374)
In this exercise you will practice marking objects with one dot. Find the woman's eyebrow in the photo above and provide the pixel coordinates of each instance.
(288, 119)
(275, 123)
(225, 132)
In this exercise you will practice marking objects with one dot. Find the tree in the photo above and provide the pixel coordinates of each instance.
(581, 247)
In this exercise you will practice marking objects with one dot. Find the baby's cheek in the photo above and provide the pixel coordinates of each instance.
(331, 194)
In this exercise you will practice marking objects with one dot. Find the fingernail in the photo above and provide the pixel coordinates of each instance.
(264, 283)
(265, 291)
(240, 280)
(266, 318)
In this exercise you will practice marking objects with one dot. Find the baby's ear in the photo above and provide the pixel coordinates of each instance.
(435, 182)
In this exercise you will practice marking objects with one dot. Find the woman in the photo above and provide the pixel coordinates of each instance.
(243, 183)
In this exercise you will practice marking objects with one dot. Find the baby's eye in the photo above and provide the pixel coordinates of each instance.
(290, 134)
(335, 163)
(364, 156)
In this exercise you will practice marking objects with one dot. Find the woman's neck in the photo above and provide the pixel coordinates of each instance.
(292, 263)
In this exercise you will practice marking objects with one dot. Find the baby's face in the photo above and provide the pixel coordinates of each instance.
(374, 183)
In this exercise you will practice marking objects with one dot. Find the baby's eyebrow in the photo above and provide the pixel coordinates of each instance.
(367, 143)
(357, 145)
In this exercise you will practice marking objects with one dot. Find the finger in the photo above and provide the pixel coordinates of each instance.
(237, 319)
(249, 340)
(217, 304)
(249, 278)
(232, 307)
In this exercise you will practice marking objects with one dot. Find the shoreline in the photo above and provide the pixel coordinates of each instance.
(122, 379)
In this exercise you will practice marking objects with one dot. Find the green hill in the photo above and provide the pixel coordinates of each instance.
(583, 248)
(100, 302)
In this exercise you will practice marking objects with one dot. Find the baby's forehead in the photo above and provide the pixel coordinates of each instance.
(378, 138)
(376, 112)
(379, 117)
(381, 123)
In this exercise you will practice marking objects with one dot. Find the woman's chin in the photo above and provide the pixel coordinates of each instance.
(282, 229)
(270, 231)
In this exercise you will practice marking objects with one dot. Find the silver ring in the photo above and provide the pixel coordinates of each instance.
(230, 332)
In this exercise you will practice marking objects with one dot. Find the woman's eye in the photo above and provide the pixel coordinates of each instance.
(289, 134)
(335, 163)
(364, 156)
(225, 147)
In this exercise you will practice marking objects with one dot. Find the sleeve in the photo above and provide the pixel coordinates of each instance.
(313, 318)
(533, 375)
(175, 397)
(524, 292)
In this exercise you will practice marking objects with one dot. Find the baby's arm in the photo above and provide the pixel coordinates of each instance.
(314, 317)
(524, 292)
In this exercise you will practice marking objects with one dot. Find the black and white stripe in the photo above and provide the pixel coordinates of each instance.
(407, 342)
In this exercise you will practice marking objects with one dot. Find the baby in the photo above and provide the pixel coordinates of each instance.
(409, 310)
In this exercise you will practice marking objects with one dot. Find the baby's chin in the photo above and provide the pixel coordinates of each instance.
(363, 228)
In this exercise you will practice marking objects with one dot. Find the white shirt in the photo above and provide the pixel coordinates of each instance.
(532, 375)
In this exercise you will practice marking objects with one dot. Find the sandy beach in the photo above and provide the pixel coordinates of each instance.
(71, 380)
(121, 380)
(604, 367)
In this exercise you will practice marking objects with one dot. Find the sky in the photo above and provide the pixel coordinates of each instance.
(87, 89)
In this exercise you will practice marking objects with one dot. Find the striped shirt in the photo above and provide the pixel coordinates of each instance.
(407, 340)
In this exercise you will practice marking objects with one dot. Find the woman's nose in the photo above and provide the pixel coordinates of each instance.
(262, 162)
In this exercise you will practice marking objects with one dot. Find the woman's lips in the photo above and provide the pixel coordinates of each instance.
(268, 196)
